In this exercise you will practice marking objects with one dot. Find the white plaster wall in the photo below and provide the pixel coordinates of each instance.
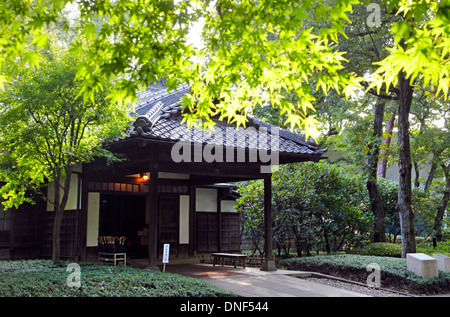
(93, 215)
(72, 199)
(391, 171)
(227, 206)
(206, 199)
(184, 219)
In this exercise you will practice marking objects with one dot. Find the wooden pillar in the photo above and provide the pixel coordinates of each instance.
(268, 264)
(192, 240)
(84, 213)
(153, 219)
(219, 221)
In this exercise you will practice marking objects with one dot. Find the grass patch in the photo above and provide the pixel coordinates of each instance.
(43, 278)
(394, 273)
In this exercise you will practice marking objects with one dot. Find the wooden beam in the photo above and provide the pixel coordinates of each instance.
(229, 171)
(138, 156)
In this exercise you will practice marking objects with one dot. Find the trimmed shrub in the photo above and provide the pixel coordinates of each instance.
(441, 247)
(394, 273)
(379, 249)
(318, 206)
(43, 278)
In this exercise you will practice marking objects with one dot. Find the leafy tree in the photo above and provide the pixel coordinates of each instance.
(423, 205)
(417, 27)
(342, 119)
(385, 150)
(318, 205)
(439, 219)
(431, 144)
(389, 194)
(143, 41)
(419, 56)
(47, 129)
(251, 207)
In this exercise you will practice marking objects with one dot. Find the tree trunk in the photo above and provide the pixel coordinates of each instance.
(416, 170)
(404, 167)
(442, 205)
(57, 221)
(385, 152)
(59, 206)
(298, 241)
(372, 187)
(327, 241)
(430, 174)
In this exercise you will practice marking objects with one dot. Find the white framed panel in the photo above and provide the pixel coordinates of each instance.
(184, 219)
(227, 206)
(93, 218)
(206, 199)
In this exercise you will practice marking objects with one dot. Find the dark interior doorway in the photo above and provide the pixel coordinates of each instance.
(124, 215)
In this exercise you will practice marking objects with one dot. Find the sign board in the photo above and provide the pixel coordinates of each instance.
(166, 253)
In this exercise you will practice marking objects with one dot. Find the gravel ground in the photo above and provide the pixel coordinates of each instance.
(357, 288)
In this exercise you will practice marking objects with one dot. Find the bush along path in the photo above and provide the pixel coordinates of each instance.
(393, 272)
(42, 278)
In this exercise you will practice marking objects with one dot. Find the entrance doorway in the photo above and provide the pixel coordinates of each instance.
(123, 215)
(168, 223)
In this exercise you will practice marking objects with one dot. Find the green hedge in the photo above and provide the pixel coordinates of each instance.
(379, 249)
(40, 278)
(441, 247)
(394, 273)
(395, 249)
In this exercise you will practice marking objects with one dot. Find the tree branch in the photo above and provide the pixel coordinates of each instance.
(388, 97)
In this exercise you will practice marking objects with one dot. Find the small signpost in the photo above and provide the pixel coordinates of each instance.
(165, 255)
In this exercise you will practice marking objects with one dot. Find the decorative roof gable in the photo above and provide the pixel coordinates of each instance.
(159, 117)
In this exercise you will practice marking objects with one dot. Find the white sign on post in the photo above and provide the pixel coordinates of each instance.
(165, 255)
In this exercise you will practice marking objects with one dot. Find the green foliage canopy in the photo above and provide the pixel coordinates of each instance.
(423, 205)
(47, 129)
(253, 53)
(422, 46)
(143, 41)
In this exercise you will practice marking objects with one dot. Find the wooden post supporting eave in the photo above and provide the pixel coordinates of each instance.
(84, 213)
(219, 222)
(192, 221)
(268, 264)
(153, 220)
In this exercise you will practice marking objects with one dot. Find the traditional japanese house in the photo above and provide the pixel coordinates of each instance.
(172, 187)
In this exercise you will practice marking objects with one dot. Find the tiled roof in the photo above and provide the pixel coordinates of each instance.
(159, 117)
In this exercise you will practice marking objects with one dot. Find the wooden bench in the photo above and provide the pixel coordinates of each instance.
(232, 256)
(256, 260)
(113, 258)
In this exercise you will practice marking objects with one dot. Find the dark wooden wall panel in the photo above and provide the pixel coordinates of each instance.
(208, 233)
(70, 231)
